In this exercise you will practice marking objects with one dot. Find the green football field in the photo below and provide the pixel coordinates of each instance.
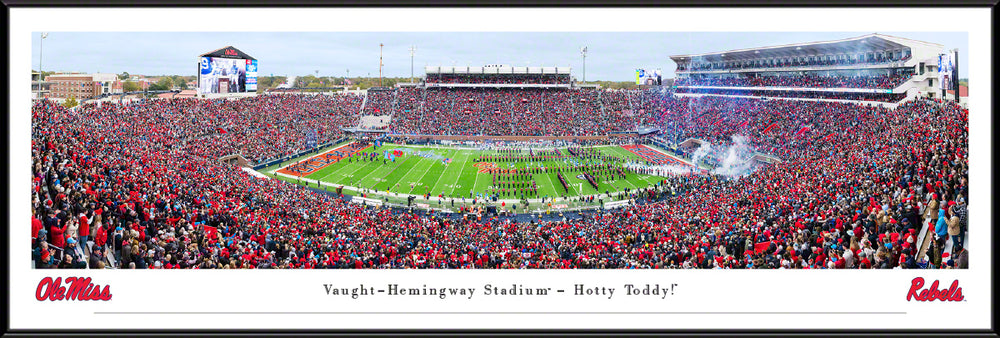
(418, 175)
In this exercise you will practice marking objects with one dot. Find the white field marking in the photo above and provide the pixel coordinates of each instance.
(408, 158)
(297, 160)
(457, 177)
(345, 167)
(370, 172)
(397, 195)
(431, 188)
(553, 184)
(377, 168)
(475, 185)
(401, 178)
(336, 172)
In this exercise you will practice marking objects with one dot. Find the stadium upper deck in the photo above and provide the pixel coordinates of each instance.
(497, 76)
(869, 64)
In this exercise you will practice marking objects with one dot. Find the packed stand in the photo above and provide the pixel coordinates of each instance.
(378, 102)
(498, 79)
(822, 61)
(804, 81)
(524, 112)
(825, 95)
(854, 188)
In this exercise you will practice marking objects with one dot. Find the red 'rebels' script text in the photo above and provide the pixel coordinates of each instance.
(79, 289)
(951, 294)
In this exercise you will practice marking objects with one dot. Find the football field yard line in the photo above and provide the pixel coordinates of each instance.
(430, 167)
(430, 188)
(289, 162)
(555, 190)
(459, 165)
(356, 165)
(379, 169)
(408, 160)
(348, 165)
(626, 181)
(475, 186)
(468, 179)
(398, 173)
(328, 171)
(430, 174)
(333, 171)
(422, 163)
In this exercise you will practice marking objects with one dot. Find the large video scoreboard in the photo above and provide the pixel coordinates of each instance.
(227, 70)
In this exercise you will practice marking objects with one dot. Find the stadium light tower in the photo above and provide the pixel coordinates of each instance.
(413, 51)
(40, 77)
(380, 64)
(583, 52)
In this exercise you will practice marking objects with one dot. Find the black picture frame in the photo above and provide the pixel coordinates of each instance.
(944, 332)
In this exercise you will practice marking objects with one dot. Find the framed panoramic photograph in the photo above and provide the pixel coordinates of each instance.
(535, 170)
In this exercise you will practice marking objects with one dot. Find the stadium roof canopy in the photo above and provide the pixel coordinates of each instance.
(865, 43)
(496, 70)
(229, 52)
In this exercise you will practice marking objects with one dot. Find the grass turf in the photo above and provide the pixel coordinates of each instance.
(413, 174)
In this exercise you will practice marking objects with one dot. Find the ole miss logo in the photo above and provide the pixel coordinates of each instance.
(79, 289)
(231, 52)
(951, 294)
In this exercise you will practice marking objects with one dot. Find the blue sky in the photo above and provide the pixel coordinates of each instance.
(612, 56)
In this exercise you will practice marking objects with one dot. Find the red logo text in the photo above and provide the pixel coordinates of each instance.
(951, 294)
(79, 288)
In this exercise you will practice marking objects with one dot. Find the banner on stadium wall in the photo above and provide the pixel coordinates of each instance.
(251, 79)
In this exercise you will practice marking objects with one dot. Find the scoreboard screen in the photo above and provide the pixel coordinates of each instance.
(225, 75)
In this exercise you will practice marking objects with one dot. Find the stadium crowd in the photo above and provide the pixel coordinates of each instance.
(379, 102)
(871, 97)
(498, 79)
(261, 128)
(524, 112)
(883, 81)
(872, 59)
(854, 187)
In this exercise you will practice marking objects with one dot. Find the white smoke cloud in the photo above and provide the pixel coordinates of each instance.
(701, 152)
(738, 160)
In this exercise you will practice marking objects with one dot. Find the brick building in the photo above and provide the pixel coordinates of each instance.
(81, 86)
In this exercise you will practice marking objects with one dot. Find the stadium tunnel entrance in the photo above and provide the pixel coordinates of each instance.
(235, 159)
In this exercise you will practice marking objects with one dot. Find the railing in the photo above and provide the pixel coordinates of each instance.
(495, 85)
(799, 89)
(793, 68)
(890, 105)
